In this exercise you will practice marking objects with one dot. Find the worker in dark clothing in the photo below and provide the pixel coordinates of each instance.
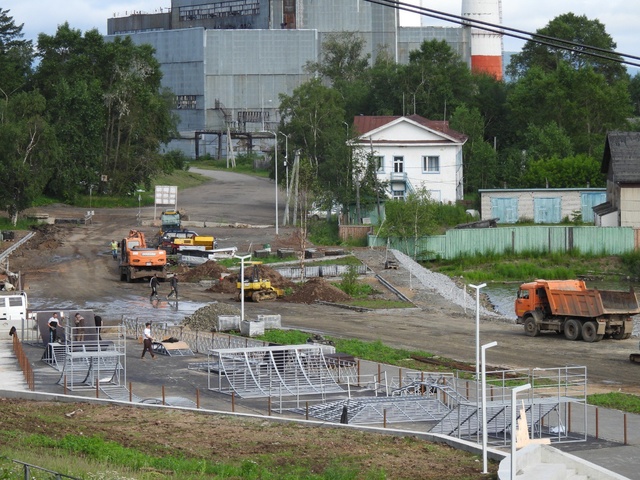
(174, 287)
(154, 286)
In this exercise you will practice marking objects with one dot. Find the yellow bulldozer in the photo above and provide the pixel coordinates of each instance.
(257, 288)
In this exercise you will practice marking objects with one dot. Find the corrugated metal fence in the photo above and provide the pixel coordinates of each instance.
(460, 242)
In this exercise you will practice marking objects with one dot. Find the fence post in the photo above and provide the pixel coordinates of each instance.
(625, 428)
(197, 398)
(596, 423)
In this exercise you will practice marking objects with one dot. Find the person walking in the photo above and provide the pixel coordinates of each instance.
(79, 323)
(114, 249)
(153, 283)
(53, 323)
(147, 340)
(174, 286)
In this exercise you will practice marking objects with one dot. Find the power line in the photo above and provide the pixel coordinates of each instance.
(553, 42)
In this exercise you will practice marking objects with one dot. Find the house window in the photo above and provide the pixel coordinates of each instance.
(186, 102)
(430, 164)
(379, 163)
(398, 164)
(398, 194)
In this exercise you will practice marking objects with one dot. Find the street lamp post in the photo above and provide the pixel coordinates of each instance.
(484, 404)
(275, 136)
(478, 287)
(242, 259)
(514, 400)
(286, 159)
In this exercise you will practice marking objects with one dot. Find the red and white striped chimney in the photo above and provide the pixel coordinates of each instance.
(486, 47)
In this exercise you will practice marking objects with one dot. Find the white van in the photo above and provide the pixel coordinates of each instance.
(13, 310)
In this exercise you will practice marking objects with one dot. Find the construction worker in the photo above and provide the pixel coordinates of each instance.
(114, 249)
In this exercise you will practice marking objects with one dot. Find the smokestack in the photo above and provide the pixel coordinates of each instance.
(486, 47)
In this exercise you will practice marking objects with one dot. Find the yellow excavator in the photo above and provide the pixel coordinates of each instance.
(256, 288)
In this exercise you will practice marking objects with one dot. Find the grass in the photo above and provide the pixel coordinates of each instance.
(616, 400)
(372, 351)
(534, 264)
(179, 178)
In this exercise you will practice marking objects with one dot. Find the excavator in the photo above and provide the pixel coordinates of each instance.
(139, 261)
(256, 288)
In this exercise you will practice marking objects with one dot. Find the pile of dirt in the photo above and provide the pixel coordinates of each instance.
(206, 318)
(318, 289)
(228, 284)
(207, 271)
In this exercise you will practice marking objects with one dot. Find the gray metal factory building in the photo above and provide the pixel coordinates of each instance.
(227, 61)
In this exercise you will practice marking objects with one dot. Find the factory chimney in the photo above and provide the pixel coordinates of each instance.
(486, 47)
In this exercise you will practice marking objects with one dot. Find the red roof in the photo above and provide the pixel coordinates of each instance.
(364, 124)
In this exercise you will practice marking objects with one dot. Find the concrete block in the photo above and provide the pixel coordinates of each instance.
(271, 322)
(251, 328)
(227, 323)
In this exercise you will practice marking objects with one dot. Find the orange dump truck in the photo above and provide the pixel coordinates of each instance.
(569, 307)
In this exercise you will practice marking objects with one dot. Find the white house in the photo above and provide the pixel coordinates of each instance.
(413, 152)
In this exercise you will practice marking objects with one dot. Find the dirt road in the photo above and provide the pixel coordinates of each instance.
(74, 269)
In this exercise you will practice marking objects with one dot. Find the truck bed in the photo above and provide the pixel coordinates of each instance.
(592, 303)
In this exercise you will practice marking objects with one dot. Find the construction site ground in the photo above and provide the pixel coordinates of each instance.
(69, 266)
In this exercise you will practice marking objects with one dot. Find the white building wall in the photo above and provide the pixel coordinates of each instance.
(630, 207)
(412, 143)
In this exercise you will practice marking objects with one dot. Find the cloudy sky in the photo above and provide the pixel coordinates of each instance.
(619, 17)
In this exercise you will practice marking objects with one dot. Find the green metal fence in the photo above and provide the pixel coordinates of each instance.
(459, 242)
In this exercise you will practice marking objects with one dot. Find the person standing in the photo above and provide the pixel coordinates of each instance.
(114, 249)
(79, 322)
(153, 283)
(98, 321)
(147, 340)
(174, 286)
(53, 323)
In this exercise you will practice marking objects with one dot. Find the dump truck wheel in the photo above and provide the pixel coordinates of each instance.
(590, 332)
(572, 329)
(128, 276)
(530, 327)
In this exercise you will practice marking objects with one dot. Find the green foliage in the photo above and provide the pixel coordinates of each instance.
(547, 141)
(373, 351)
(616, 400)
(435, 80)
(324, 232)
(413, 217)
(570, 172)
(578, 29)
(349, 283)
(506, 266)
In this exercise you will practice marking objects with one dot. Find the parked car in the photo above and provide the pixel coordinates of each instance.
(317, 213)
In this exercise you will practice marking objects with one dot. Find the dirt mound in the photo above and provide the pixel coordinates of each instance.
(228, 284)
(206, 318)
(318, 289)
(208, 270)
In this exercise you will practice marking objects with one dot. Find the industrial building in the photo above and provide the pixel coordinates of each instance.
(227, 61)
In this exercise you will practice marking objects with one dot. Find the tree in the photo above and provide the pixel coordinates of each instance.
(547, 141)
(15, 56)
(570, 172)
(26, 146)
(411, 218)
(312, 117)
(344, 66)
(109, 111)
(580, 102)
(435, 81)
(577, 29)
(479, 157)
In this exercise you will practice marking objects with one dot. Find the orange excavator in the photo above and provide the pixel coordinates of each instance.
(139, 261)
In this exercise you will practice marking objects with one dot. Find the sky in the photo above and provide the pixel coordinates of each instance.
(620, 18)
